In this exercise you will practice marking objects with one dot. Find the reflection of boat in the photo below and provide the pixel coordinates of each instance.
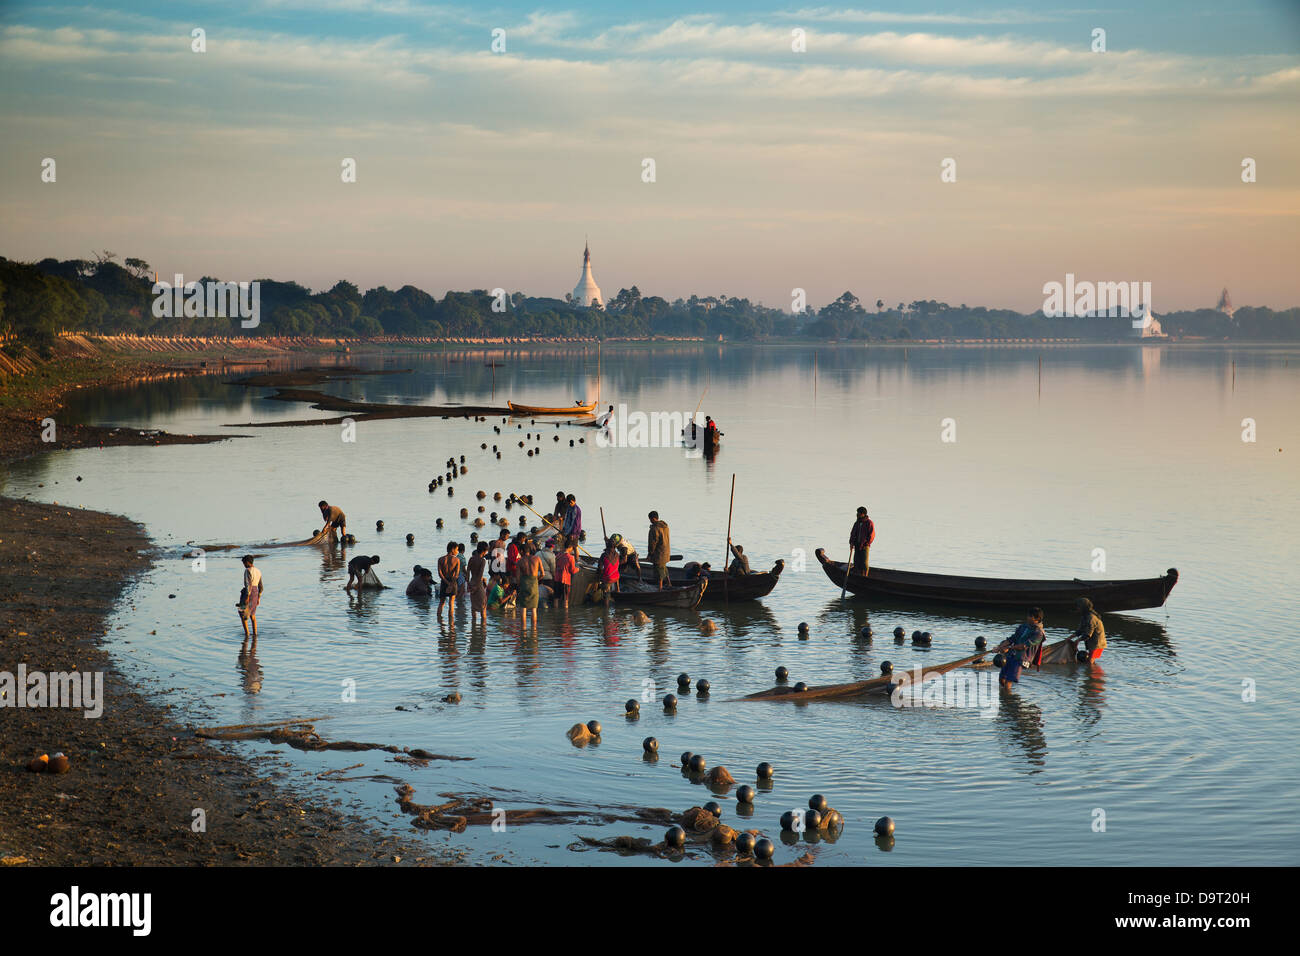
(883, 685)
(725, 587)
(1128, 595)
(542, 410)
(638, 594)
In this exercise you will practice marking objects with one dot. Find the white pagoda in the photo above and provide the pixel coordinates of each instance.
(586, 293)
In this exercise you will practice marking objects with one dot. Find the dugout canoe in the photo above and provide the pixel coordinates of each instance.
(1011, 593)
(635, 594)
(878, 686)
(543, 410)
(723, 587)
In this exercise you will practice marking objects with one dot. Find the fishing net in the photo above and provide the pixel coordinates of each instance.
(371, 580)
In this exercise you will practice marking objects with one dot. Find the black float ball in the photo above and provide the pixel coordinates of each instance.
(703, 687)
(570, 442)
(999, 660)
(675, 837)
(670, 702)
(745, 794)
(698, 764)
(885, 826)
(764, 849)
(782, 673)
(410, 539)
(803, 628)
(899, 633)
(980, 643)
(800, 687)
(817, 802)
(438, 523)
(686, 758)
(886, 667)
(1081, 656)
(683, 681)
(926, 637)
(916, 636)
(865, 633)
(632, 705)
(594, 727)
(650, 745)
(379, 526)
(812, 820)
(714, 808)
(787, 820)
(745, 843)
(764, 771)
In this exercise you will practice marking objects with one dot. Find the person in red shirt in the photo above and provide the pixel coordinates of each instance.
(513, 554)
(565, 565)
(860, 540)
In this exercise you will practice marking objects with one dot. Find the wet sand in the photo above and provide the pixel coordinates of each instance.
(137, 773)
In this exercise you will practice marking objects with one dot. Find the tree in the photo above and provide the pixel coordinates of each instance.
(138, 268)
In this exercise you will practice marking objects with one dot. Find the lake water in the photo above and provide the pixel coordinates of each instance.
(1137, 451)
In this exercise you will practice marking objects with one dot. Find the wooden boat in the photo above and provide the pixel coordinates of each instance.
(722, 587)
(878, 686)
(575, 409)
(1012, 593)
(695, 436)
(638, 594)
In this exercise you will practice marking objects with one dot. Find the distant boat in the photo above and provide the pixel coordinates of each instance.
(575, 409)
(1013, 593)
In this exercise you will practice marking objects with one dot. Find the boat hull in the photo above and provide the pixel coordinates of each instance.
(723, 587)
(1009, 593)
(688, 596)
(543, 410)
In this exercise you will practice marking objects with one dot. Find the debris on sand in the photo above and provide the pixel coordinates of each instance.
(301, 735)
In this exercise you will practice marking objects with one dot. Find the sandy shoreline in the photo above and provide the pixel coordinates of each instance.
(137, 773)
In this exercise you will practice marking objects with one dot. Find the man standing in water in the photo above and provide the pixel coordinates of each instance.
(1021, 646)
(448, 580)
(250, 596)
(658, 549)
(528, 587)
(860, 540)
(335, 520)
(1090, 630)
(477, 584)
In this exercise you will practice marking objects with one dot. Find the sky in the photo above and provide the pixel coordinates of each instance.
(775, 169)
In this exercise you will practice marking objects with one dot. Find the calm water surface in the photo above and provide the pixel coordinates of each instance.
(1135, 451)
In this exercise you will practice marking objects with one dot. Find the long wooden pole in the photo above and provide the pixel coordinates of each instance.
(726, 573)
(604, 535)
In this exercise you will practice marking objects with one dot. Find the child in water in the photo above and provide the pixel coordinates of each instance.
(250, 596)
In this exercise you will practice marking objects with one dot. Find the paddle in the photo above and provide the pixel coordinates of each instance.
(848, 566)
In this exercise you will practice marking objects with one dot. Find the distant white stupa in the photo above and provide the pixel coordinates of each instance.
(1225, 303)
(586, 293)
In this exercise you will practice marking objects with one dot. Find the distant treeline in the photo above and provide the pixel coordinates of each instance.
(39, 300)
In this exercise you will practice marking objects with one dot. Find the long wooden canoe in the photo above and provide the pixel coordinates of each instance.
(635, 594)
(880, 686)
(543, 410)
(726, 587)
(1011, 593)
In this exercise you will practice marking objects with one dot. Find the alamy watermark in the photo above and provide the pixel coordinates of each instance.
(1090, 299)
(209, 299)
(77, 690)
(957, 688)
(655, 429)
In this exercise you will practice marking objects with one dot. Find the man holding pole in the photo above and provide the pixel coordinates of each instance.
(860, 540)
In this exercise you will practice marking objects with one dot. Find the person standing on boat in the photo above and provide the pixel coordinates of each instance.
(561, 505)
(335, 520)
(1090, 630)
(860, 540)
(1022, 646)
(740, 563)
(658, 549)
(448, 579)
(572, 526)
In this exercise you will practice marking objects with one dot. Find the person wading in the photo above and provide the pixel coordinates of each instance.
(357, 569)
(1022, 646)
(1090, 630)
(336, 522)
(658, 549)
(565, 567)
(251, 596)
(448, 580)
(477, 583)
(860, 540)
(527, 590)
